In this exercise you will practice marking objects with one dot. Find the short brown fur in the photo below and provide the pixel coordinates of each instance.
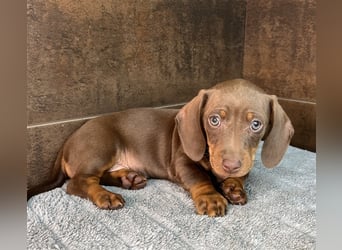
(215, 134)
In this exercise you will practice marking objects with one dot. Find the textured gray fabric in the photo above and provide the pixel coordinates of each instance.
(280, 214)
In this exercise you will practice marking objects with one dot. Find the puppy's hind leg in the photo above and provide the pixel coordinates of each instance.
(87, 186)
(86, 183)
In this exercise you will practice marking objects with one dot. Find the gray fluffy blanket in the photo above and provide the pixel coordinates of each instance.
(280, 214)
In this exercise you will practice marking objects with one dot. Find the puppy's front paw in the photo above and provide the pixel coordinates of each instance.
(233, 190)
(213, 204)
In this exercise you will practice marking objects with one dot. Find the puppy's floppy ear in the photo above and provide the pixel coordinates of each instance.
(279, 135)
(188, 122)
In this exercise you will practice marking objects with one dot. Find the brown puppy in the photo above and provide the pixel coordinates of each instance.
(217, 132)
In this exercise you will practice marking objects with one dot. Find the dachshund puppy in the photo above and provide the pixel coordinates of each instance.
(211, 142)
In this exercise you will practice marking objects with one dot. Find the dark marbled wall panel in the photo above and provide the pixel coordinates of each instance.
(97, 56)
(280, 47)
(280, 57)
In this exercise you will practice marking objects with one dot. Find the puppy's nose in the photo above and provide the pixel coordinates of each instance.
(231, 165)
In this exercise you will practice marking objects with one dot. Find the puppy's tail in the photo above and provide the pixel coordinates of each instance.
(57, 178)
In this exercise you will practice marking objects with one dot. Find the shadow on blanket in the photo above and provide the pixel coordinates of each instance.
(280, 214)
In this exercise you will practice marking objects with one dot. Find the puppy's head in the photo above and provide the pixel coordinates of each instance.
(230, 119)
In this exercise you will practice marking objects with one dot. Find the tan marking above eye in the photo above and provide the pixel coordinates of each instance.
(250, 116)
(223, 114)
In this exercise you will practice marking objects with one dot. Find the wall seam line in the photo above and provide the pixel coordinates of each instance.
(91, 117)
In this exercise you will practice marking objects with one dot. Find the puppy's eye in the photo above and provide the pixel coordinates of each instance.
(215, 120)
(256, 125)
